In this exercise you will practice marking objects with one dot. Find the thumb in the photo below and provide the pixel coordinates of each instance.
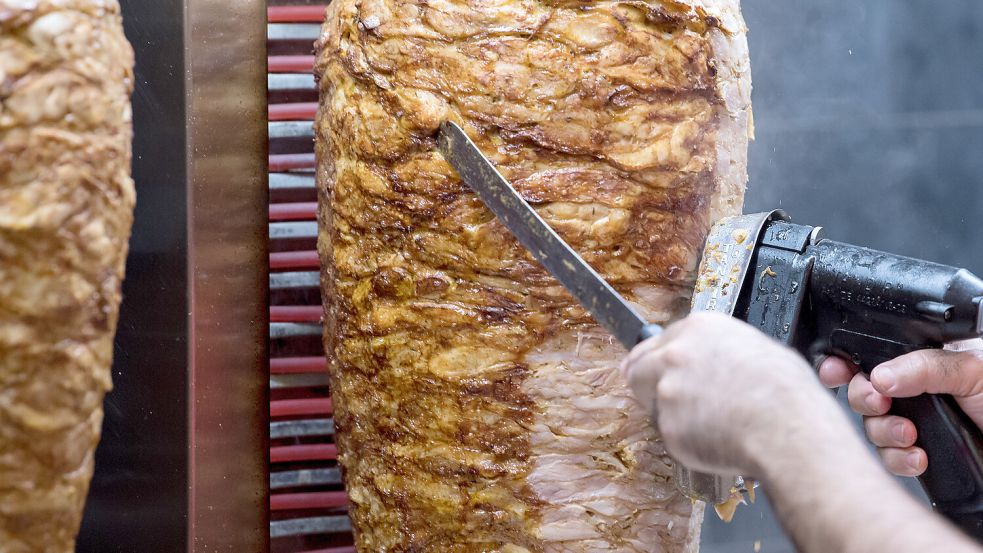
(932, 372)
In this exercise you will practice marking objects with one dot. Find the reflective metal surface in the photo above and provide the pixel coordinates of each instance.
(183, 462)
(225, 42)
(297, 478)
(309, 526)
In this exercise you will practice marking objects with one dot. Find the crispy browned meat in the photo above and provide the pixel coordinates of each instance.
(478, 407)
(66, 202)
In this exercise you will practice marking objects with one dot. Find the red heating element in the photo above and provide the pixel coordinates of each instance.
(293, 112)
(296, 14)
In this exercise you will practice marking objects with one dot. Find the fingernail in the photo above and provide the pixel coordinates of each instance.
(898, 433)
(913, 460)
(887, 378)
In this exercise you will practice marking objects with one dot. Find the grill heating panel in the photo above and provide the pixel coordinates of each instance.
(308, 503)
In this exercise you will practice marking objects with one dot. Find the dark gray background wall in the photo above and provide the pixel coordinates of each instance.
(869, 120)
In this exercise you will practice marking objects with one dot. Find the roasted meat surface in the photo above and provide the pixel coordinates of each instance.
(66, 202)
(478, 407)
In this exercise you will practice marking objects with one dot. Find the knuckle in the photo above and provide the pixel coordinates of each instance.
(969, 368)
(956, 373)
(860, 381)
(898, 460)
(855, 393)
(698, 316)
(668, 389)
(701, 320)
(973, 361)
(857, 404)
(636, 372)
(871, 424)
(643, 374)
(877, 432)
(920, 359)
(662, 393)
(693, 319)
(673, 355)
(867, 402)
(834, 372)
(896, 467)
(859, 387)
(892, 459)
(711, 320)
(889, 431)
(917, 366)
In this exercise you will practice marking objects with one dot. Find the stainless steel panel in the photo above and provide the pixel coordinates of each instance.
(225, 70)
(183, 463)
(290, 81)
(300, 428)
(138, 499)
(283, 181)
(309, 526)
(286, 281)
(291, 129)
(297, 478)
(293, 31)
(290, 330)
(309, 380)
(293, 230)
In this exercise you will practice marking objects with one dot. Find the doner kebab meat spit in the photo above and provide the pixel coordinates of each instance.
(478, 405)
(66, 208)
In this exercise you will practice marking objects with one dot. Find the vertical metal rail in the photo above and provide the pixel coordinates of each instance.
(225, 85)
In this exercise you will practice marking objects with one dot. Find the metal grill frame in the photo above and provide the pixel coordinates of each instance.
(183, 464)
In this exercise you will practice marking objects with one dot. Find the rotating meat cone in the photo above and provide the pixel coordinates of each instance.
(478, 407)
(66, 208)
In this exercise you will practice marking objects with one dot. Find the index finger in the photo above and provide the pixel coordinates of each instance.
(640, 351)
(835, 372)
(644, 348)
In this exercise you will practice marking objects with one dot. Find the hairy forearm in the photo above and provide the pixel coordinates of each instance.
(832, 495)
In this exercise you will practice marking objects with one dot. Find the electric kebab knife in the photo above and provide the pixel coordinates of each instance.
(816, 295)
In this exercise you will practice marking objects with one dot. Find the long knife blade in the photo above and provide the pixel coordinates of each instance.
(593, 292)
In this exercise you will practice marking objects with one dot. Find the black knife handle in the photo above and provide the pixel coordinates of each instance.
(952, 441)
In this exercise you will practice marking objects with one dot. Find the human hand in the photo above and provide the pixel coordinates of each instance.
(725, 395)
(959, 373)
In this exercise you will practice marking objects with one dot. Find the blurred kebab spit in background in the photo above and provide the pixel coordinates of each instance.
(66, 203)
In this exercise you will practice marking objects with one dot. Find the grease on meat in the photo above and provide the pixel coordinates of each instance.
(478, 407)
